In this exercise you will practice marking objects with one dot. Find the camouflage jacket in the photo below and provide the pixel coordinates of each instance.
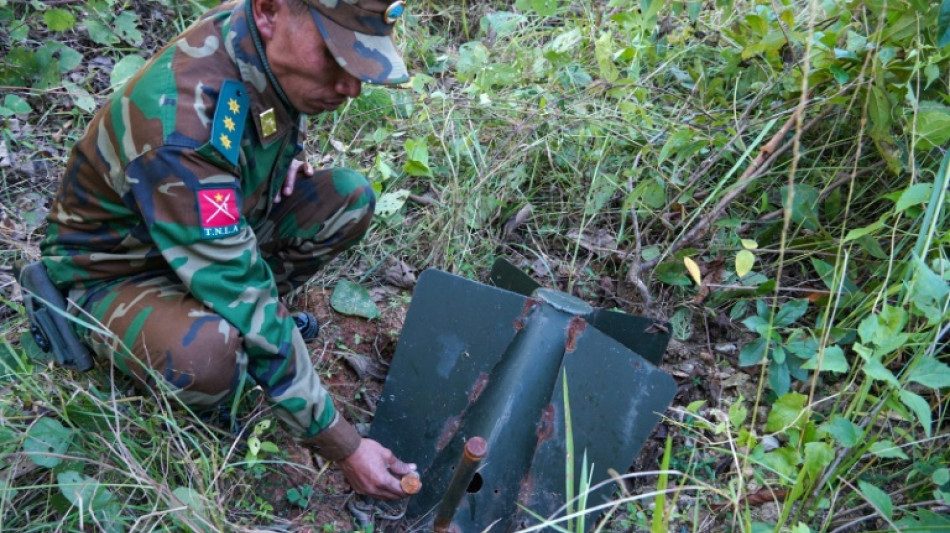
(178, 146)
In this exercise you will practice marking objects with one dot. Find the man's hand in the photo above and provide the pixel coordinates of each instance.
(296, 167)
(372, 470)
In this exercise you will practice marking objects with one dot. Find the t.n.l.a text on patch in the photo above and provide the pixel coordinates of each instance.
(219, 212)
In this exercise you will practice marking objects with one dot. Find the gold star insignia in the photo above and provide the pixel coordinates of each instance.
(233, 105)
(228, 123)
(225, 142)
(218, 197)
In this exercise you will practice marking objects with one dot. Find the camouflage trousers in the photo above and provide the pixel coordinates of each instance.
(156, 328)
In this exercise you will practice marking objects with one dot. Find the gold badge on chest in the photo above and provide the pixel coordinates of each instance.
(268, 122)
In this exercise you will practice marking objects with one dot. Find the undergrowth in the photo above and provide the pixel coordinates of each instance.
(771, 173)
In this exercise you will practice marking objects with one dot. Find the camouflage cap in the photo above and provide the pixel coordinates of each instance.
(357, 32)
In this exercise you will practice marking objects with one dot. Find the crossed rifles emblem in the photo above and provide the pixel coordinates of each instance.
(220, 204)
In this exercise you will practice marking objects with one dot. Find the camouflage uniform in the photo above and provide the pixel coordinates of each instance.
(165, 228)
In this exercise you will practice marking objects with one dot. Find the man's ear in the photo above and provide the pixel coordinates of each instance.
(265, 13)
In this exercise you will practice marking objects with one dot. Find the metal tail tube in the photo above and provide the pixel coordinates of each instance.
(475, 450)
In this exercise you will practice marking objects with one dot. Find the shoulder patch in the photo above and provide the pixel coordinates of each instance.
(219, 212)
(230, 116)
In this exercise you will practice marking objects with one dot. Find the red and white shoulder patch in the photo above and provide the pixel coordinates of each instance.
(219, 212)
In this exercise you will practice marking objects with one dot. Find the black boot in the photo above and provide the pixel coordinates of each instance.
(308, 325)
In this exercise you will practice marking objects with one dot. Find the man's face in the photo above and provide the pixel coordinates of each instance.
(301, 61)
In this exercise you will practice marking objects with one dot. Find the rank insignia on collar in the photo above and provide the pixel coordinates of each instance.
(230, 115)
(268, 122)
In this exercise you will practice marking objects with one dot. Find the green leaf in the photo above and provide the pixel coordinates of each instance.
(832, 361)
(417, 158)
(803, 206)
(253, 446)
(916, 194)
(827, 273)
(752, 353)
(878, 498)
(878, 372)
(349, 298)
(786, 412)
(887, 450)
(933, 126)
(390, 203)
(845, 432)
(780, 378)
(59, 19)
(83, 491)
(943, 24)
(930, 372)
(745, 260)
(790, 312)
(784, 461)
(47, 436)
(604, 54)
(738, 413)
(473, 56)
(126, 28)
(269, 447)
(14, 105)
(191, 498)
(125, 69)
(941, 476)
(928, 292)
(501, 22)
(99, 32)
(818, 455)
(920, 407)
(81, 97)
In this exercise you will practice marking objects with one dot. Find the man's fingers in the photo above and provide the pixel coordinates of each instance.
(400, 468)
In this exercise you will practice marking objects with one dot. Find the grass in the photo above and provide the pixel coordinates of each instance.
(598, 145)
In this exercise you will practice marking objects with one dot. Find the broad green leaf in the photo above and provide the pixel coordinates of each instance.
(857, 233)
(749, 244)
(349, 298)
(878, 372)
(417, 158)
(790, 312)
(738, 413)
(81, 97)
(878, 498)
(125, 69)
(943, 24)
(941, 476)
(501, 22)
(604, 54)
(126, 28)
(916, 194)
(269, 447)
(933, 126)
(390, 203)
(803, 205)
(879, 110)
(191, 498)
(745, 260)
(752, 353)
(254, 446)
(887, 450)
(920, 407)
(786, 412)
(566, 41)
(59, 19)
(930, 372)
(47, 436)
(780, 378)
(83, 491)
(832, 361)
(99, 32)
(818, 455)
(928, 292)
(473, 56)
(826, 272)
(14, 105)
(784, 461)
(693, 270)
(845, 432)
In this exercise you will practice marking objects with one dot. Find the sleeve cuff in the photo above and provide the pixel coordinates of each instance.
(335, 443)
